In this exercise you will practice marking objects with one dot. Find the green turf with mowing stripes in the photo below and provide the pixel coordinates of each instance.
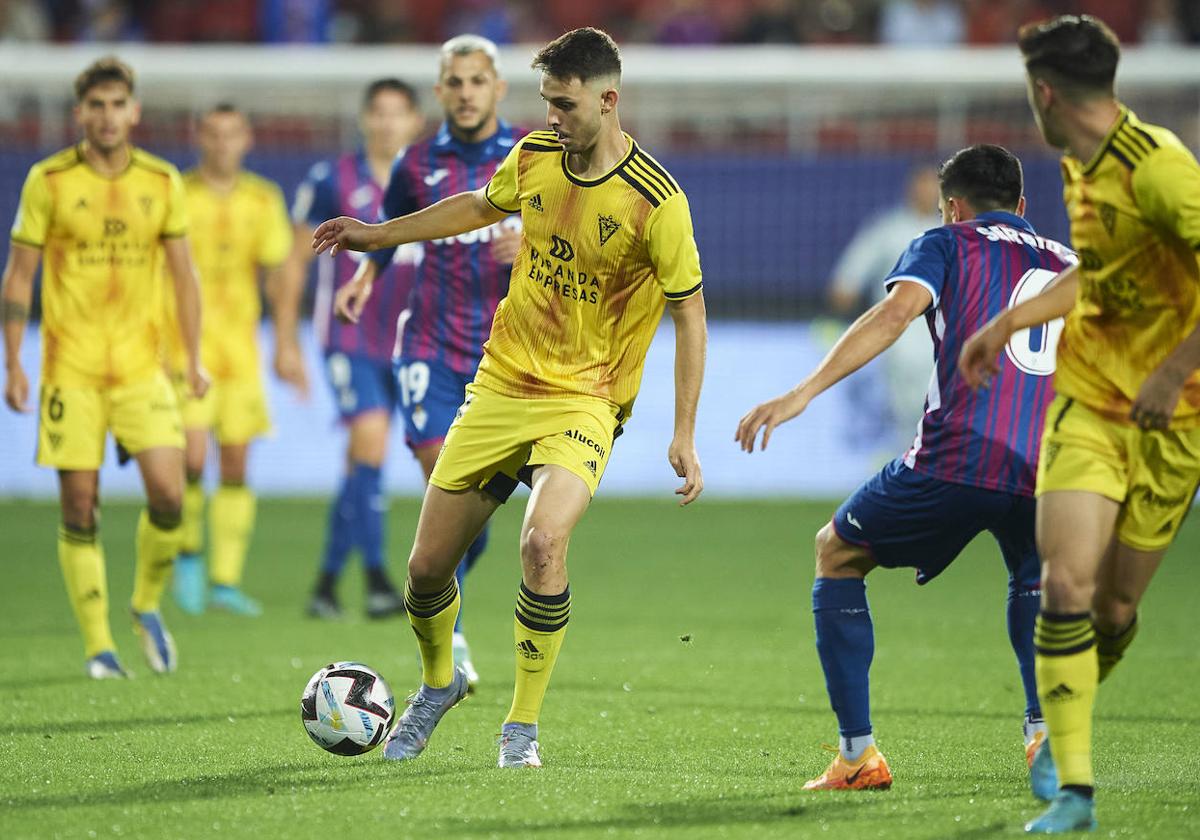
(688, 701)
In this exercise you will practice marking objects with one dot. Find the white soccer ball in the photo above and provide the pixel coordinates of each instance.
(347, 708)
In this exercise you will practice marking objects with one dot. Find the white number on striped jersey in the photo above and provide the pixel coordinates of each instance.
(414, 382)
(1032, 350)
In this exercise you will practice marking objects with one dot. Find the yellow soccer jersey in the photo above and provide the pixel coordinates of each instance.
(1135, 221)
(598, 260)
(101, 254)
(232, 235)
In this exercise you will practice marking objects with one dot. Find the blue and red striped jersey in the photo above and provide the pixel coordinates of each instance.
(344, 187)
(458, 283)
(975, 270)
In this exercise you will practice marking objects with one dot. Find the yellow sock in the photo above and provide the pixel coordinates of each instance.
(231, 523)
(158, 539)
(82, 562)
(1111, 649)
(1067, 675)
(539, 629)
(193, 518)
(432, 617)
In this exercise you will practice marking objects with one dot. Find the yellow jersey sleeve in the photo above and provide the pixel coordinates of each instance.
(276, 241)
(503, 192)
(1166, 186)
(33, 213)
(671, 244)
(176, 223)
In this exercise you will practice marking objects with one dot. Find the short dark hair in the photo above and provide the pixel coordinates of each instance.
(987, 176)
(1078, 53)
(390, 85)
(583, 54)
(102, 70)
(222, 107)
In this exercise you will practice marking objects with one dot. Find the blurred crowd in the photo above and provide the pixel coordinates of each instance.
(696, 22)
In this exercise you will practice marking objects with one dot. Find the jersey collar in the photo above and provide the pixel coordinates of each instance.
(1003, 217)
(592, 182)
(1123, 116)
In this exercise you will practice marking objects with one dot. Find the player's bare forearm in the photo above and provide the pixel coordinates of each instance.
(691, 347)
(187, 294)
(16, 297)
(289, 287)
(979, 359)
(451, 216)
(1055, 301)
(1160, 393)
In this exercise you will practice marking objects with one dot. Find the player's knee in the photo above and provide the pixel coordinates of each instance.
(830, 552)
(79, 509)
(427, 572)
(1112, 613)
(542, 552)
(165, 504)
(165, 519)
(1064, 590)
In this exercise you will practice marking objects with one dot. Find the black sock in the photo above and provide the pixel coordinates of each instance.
(1082, 790)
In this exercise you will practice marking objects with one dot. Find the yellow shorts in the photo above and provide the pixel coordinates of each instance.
(73, 422)
(235, 410)
(1153, 474)
(494, 439)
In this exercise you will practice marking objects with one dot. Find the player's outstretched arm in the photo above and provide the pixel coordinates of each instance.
(187, 308)
(285, 309)
(16, 296)
(449, 217)
(349, 301)
(875, 331)
(979, 359)
(691, 345)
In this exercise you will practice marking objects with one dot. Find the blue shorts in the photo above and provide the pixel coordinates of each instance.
(430, 396)
(360, 384)
(906, 519)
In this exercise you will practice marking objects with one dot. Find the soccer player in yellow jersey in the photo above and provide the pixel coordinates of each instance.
(607, 245)
(105, 214)
(239, 229)
(1112, 490)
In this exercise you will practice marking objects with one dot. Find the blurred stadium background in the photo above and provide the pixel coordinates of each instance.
(790, 124)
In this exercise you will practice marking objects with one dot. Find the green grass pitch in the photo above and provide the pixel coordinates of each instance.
(688, 701)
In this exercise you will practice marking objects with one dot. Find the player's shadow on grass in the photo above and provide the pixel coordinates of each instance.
(311, 775)
(104, 727)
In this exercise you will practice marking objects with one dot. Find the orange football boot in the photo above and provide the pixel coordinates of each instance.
(870, 772)
(1032, 747)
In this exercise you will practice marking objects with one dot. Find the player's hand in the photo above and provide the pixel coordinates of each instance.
(198, 381)
(506, 245)
(686, 463)
(979, 360)
(344, 234)
(289, 367)
(767, 416)
(349, 301)
(1157, 398)
(16, 390)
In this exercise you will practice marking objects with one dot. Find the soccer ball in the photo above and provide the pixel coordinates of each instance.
(347, 708)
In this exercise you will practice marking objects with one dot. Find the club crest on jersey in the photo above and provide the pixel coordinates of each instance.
(1108, 217)
(536, 203)
(608, 226)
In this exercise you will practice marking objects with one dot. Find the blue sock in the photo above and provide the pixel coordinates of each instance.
(465, 565)
(846, 645)
(340, 537)
(1023, 604)
(371, 505)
